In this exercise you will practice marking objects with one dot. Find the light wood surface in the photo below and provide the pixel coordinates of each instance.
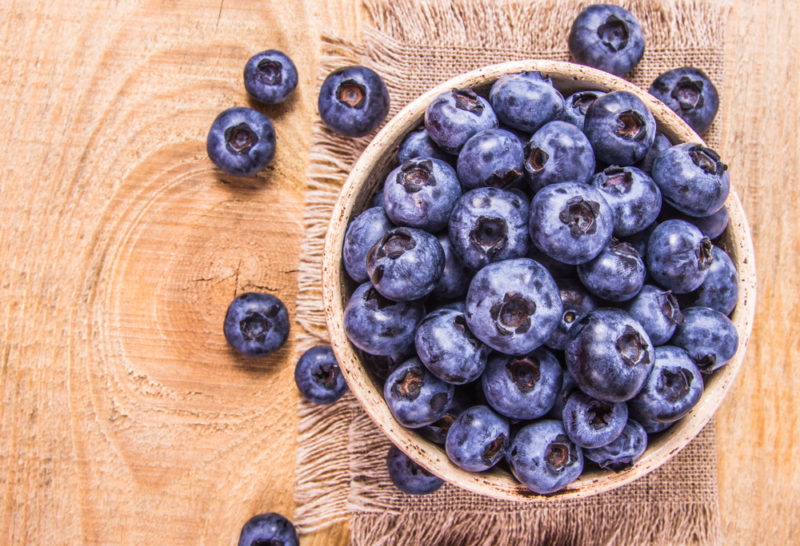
(124, 418)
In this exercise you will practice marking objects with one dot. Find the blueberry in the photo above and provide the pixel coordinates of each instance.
(415, 396)
(640, 238)
(577, 104)
(526, 100)
(657, 311)
(405, 264)
(720, 290)
(490, 158)
(616, 274)
(651, 426)
(620, 128)
(488, 225)
(362, 233)
(607, 37)
(353, 101)
(592, 423)
(455, 278)
(708, 336)
(568, 386)
(632, 194)
(712, 226)
(692, 179)
(453, 117)
(660, 144)
(241, 141)
(570, 222)
(672, 389)
(610, 355)
(513, 305)
(678, 256)
(381, 365)
(318, 376)
(690, 94)
(558, 152)
(477, 439)
(448, 349)
(437, 431)
(270, 76)
(419, 144)
(256, 324)
(380, 326)
(421, 193)
(272, 529)
(377, 200)
(577, 303)
(523, 387)
(408, 476)
(543, 458)
(622, 452)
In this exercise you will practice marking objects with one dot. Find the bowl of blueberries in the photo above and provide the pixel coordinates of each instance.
(538, 280)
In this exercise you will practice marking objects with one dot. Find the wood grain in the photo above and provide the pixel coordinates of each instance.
(124, 417)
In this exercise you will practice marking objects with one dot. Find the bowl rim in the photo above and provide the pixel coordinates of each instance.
(495, 483)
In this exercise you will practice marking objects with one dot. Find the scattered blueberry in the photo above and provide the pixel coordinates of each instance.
(678, 256)
(490, 158)
(577, 104)
(690, 94)
(405, 264)
(421, 193)
(692, 179)
(270, 76)
(672, 389)
(660, 144)
(408, 476)
(268, 529)
(256, 324)
(318, 376)
(607, 37)
(543, 458)
(708, 336)
(526, 100)
(241, 141)
(592, 423)
(616, 274)
(620, 128)
(577, 303)
(657, 311)
(353, 101)
(448, 349)
(455, 278)
(623, 452)
(632, 194)
(362, 233)
(419, 144)
(477, 439)
(720, 290)
(558, 152)
(453, 117)
(415, 396)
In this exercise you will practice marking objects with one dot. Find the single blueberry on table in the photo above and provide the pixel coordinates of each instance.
(577, 104)
(353, 101)
(490, 158)
(256, 324)
(570, 222)
(415, 396)
(318, 376)
(657, 311)
(592, 423)
(607, 37)
(408, 476)
(620, 128)
(380, 326)
(712, 226)
(692, 179)
(623, 452)
(616, 274)
(477, 439)
(678, 256)
(708, 336)
(720, 290)
(489, 225)
(362, 233)
(448, 349)
(419, 144)
(690, 94)
(268, 529)
(632, 194)
(558, 152)
(526, 101)
(513, 305)
(270, 76)
(672, 389)
(455, 278)
(522, 387)
(454, 116)
(241, 141)
(543, 458)
(577, 303)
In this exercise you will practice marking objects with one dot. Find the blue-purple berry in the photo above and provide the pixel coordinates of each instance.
(708, 336)
(421, 193)
(692, 179)
(490, 158)
(672, 389)
(543, 458)
(448, 349)
(607, 37)
(408, 476)
(415, 396)
(405, 264)
(526, 100)
(256, 324)
(271, 529)
(454, 116)
(592, 423)
(270, 76)
(241, 141)
(558, 152)
(678, 256)
(353, 101)
(690, 94)
(318, 376)
(362, 233)
(477, 439)
(632, 194)
(620, 128)
(616, 274)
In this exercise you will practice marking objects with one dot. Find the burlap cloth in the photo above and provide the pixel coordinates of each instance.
(341, 470)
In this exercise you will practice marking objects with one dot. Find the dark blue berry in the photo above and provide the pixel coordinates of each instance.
(448, 349)
(268, 529)
(522, 387)
(408, 476)
(241, 141)
(720, 290)
(632, 194)
(381, 366)
(318, 376)
(256, 324)
(678, 256)
(568, 386)
(436, 432)
(672, 389)
(620, 128)
(692, 179)
(477, 439)
(419, 144)
(616, 274)
(622, 452)
(577, 303)
(455, 277)
(651, 426)
(405, 264)
(592, 423)
(362, 233)
(415, 396)
(543, 457)
(270, 76)
(607, 37)
(526, 101)
(708, 336)
(690, 94)
(421, 193)
(490, 158)
(577, 104)
(660, 144)
(558, 152)
(712, 226)
(353, 101)
(453, 117)
(657, 311)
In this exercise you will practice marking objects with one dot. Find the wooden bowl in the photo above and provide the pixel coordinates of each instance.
(364, 181)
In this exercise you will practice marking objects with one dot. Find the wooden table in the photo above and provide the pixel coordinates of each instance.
(124, 417)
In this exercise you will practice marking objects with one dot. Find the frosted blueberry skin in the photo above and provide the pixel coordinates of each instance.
(543, 458)
(353, 101)
(712, 226)
(607, 37)
(408, 476)
(380, 326)
(616, 274)
(318, 376)
(592, 423)
(690, 94)
(271, 528)
(241, 141)
(448, 349)
(570, 222)
(490, 158)
(405, 264)
(488, 225)
(477, 439)
(672, 389)
(576, 303)
(270, 76)
(657, 311)
(455, 115)
(455, 278)
(660, 144)
(720, 290)
(692, 179)
(708, 336)
(558, 152)
(362, 233)
(633, 196)
(577, 104)
(651, 426)
(513, 305)
(524, 387)
(623, 452)
(678, 256)
(415, 396)
(419, 144)
(256, 324)
(526, 101)
(421, 193)
(610, 355)
(620, 128)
